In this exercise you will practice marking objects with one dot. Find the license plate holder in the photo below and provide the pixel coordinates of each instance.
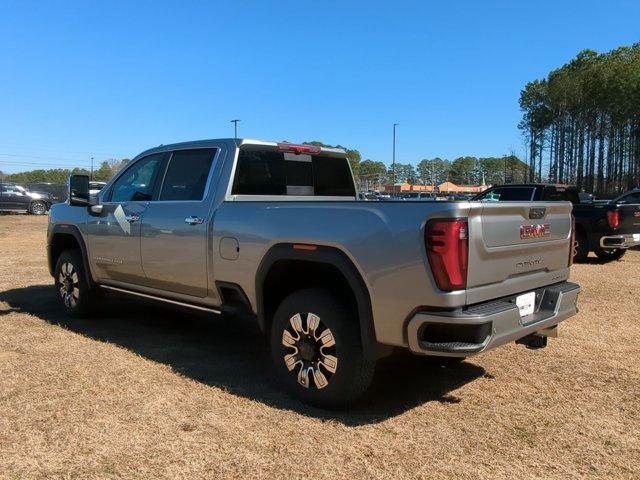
(526, 304)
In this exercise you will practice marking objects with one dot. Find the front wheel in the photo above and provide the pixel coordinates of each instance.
(610, 254)
(317, 350)
(72, 284)
(38, 208)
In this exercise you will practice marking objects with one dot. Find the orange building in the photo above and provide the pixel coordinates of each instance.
(446, 187)
(406, 187)
(450, 187)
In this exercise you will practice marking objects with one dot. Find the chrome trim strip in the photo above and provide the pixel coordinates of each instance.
(161, 299)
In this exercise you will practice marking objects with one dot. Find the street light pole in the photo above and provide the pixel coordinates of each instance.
(235, 127)
(91, 177)
(393, 165)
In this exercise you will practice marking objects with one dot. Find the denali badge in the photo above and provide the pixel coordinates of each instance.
(530, 263)
(535, 231)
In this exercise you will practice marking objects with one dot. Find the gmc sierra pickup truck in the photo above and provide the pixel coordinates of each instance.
(274, 231)
(608, 228)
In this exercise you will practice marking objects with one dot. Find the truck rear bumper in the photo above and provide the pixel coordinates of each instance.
(620, 241)
(481, 327)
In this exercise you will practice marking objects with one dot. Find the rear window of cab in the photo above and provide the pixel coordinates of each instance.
(262, 171)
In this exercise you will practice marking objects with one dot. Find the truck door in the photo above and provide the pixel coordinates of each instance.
(114, 234)
(175, 228)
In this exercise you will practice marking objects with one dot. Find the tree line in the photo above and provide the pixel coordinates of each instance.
(107, 169)
(371, 174)
(582, 122)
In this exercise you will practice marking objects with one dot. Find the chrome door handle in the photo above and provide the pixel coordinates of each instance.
(193, 220)
(132, 218)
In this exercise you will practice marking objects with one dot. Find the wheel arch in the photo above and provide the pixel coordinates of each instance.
(64, 237)
(327, 264)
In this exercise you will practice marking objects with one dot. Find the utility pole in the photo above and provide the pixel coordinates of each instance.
(393, 164)
(235, 127)
(433, 185)
(91, 176)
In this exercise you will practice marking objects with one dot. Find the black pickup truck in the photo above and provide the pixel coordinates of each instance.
(607, 228)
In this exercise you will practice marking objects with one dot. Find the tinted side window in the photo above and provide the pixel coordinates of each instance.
(137, 182)
(508, 194)
(632, 198)
(187, 174)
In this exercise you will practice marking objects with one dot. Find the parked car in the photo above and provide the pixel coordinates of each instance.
(57, 191)
(274, 231)
(367, 197)
(17, 198)
(95, 187)
(607, 228)
(421, 196)
(463, 197)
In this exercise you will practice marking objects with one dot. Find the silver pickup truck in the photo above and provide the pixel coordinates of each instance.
(274, 231)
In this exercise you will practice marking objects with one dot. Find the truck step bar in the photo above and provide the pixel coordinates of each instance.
(161, 299)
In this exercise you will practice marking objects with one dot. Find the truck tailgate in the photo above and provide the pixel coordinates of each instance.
(629, 219)
(516, 246)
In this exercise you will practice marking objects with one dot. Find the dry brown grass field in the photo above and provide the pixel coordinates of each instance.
(145, 391)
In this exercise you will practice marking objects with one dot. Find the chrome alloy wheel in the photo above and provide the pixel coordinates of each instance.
(39, 208)
(311, 350)
(68, 285)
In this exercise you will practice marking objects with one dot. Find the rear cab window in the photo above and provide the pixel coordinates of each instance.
(267, 171)
(508, 194)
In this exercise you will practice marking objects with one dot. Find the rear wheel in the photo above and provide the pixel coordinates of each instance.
(317, 350)
(610, 254)
(72, 284)
(38, 208)
(581, 247)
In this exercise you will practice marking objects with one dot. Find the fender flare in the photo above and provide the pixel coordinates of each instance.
(330, 256)
(67, 229)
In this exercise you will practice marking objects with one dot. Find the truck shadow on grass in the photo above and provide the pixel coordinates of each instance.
(233, 355)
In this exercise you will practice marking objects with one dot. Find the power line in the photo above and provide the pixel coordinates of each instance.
(17, 155)
(54, 149)
(40, 164)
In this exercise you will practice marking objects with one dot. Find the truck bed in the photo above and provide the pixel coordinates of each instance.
(386, 243)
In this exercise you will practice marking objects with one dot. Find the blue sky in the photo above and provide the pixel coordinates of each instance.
(109, 79)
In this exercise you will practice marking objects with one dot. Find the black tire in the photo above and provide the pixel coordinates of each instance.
(610, 254)
(353, 372)
(581, 247)
(72, 285)
(38, 208)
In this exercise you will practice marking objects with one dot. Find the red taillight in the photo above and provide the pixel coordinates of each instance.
(572, 244)
(298, 149)
(448, 251)
(613, 218)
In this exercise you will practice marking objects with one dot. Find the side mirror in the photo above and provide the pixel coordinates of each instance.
(79, 190)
